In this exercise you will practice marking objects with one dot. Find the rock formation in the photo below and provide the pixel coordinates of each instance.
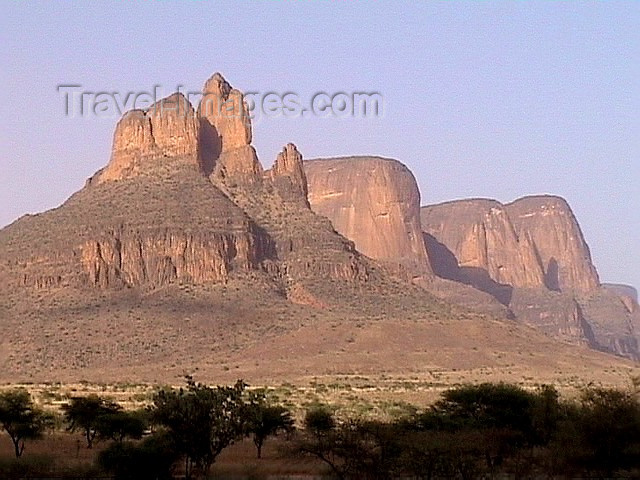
(532, 257)
(532, 242)
(564, 254)
(184, 239)
(172, 208)
(615, 321)
(225, 134)
(482, 245)
(374, 202)
(628, 295)
(288, 177)
(622, 290)
(143, 138)
(142, 230)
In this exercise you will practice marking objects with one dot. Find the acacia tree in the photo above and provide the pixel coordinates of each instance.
(201, 420)
(120, 424)
(21, 419)
(87, 415)
(264, 420)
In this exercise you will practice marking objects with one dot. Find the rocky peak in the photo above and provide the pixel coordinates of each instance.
(560, 244)
(225, 109)
(142, 137)
(288, 174)
(225, 134)
(373, 201)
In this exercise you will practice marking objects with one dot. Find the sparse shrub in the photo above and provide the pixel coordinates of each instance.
(151, 459)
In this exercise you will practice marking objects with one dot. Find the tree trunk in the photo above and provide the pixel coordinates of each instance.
(18, 446)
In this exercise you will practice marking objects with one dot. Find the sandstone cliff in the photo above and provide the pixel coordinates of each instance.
(532, 257)
(145, 230)
(478, 245)
(374, 202)
(143, 139)
(615, 321)
(564, 253)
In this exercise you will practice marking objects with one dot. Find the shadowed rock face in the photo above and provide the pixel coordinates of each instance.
(532, 242)
(563, 252)
(374, 202)
(531, 256)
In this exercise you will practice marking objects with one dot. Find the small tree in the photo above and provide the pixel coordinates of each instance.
(119, 425)
(21, 419)
(608, 431)
(86, 414)
(319, 420)
(150, 459)
(264, 420)
(201, 420)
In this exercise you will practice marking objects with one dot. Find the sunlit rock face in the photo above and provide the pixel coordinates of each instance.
(373, 201)
(563, 251)
(288, 177)
(143, 138)
(226, 153)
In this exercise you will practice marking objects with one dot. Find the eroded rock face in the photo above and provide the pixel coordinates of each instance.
(171, 208)
(481, 243)
(628, 295)
(615, 321)
(139, 231)
(163, 257)
(557, 314)
(563, 252)
(226, 153)
(374, 202)
(169, 128)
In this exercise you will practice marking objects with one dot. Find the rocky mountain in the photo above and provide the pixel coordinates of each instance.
(475, 242)
(532, 242)
(183, 229)
(374, 202)
(530, 255)
(184, 255)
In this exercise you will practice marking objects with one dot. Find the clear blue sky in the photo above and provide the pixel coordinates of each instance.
(481, 99)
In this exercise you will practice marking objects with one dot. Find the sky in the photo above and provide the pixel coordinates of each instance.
(486, 99)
